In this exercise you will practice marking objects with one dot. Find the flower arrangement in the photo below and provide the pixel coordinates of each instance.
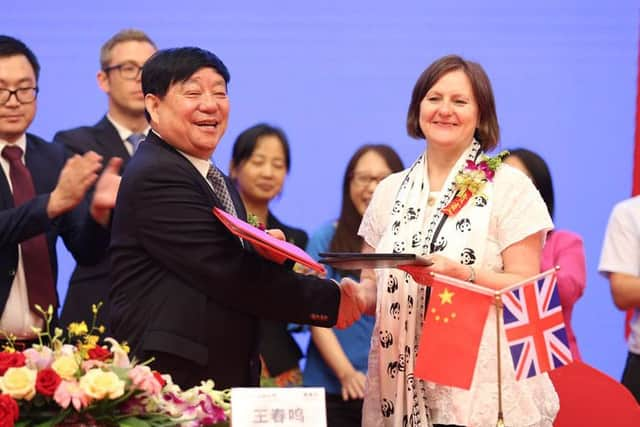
(74, 380)
(253, 220)
(470, 181)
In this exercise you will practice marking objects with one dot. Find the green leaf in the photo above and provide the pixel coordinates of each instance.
(133, 422)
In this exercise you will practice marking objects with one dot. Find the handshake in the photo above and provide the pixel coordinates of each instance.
(355, 300)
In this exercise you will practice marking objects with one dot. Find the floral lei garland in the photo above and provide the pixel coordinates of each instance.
(470, 181)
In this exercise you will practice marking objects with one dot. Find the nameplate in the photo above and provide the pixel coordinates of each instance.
(281, 407)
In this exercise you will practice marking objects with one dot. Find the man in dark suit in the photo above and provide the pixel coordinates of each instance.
(186, 291)
(115, 135)
(41, 197)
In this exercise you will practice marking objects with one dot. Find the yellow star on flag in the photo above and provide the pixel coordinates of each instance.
(446, 297)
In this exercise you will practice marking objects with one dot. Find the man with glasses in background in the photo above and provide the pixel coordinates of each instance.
(117, 134)
(42, 196)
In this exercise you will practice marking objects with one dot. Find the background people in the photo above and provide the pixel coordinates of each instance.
(562, 247)
(42, 196)
(260, 162)
(185, 289)
(620, 262)
(494, 240)
(115, 135)
(337, 358)
(341, 68)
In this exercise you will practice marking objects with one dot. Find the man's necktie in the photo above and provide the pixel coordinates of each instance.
(135, 139)
(35, 253)
(220, 189)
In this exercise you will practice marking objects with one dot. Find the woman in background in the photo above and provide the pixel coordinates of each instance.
(259, 164)
(562, 247)
(337, 359)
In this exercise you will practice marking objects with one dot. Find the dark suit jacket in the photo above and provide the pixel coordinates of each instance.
(90, 284)
(184, 288)
(86, 239)
(278, 349)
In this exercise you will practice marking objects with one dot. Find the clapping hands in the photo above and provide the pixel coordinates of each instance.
(106, 192)
(79, 173)
(77, 176)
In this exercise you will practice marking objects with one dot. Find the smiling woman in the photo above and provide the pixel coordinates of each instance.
(493, 240)
(259, 165)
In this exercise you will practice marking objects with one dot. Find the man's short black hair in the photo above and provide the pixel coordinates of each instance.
(10, 46)
(169, 66)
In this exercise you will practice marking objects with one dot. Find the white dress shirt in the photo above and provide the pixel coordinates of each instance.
(16, 318)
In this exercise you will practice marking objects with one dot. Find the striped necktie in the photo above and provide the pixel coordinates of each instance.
(220, 189)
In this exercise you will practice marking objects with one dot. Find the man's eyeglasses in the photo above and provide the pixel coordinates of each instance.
(363, 179)
(24, 95)
(128, 70)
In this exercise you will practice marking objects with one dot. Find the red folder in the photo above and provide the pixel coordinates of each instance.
(272, 248)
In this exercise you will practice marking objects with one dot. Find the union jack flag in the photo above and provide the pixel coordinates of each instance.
(534, 326)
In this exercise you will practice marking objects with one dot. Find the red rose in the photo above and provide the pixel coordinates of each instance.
(10, 360)
(99, 353)
(9, 411)
(159, 378)
(47, 382)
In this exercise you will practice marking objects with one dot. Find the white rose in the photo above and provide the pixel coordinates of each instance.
(99, 384)
(19, 383)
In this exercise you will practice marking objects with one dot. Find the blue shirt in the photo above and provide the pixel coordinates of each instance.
(355, 340)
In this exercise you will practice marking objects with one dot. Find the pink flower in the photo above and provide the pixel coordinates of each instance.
(143, 379)
(212, 412)
(481, 166)
(69, 392)
(39, 359)
(90, 364)
(68, 350)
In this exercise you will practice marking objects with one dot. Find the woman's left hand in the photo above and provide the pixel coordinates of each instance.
(448, 267)
(441, 265)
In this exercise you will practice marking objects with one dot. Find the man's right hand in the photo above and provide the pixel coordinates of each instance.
(77, 176)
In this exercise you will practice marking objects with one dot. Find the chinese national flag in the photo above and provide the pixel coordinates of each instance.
(451, 334)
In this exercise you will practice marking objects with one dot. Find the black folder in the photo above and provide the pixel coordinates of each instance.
(358, 260)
